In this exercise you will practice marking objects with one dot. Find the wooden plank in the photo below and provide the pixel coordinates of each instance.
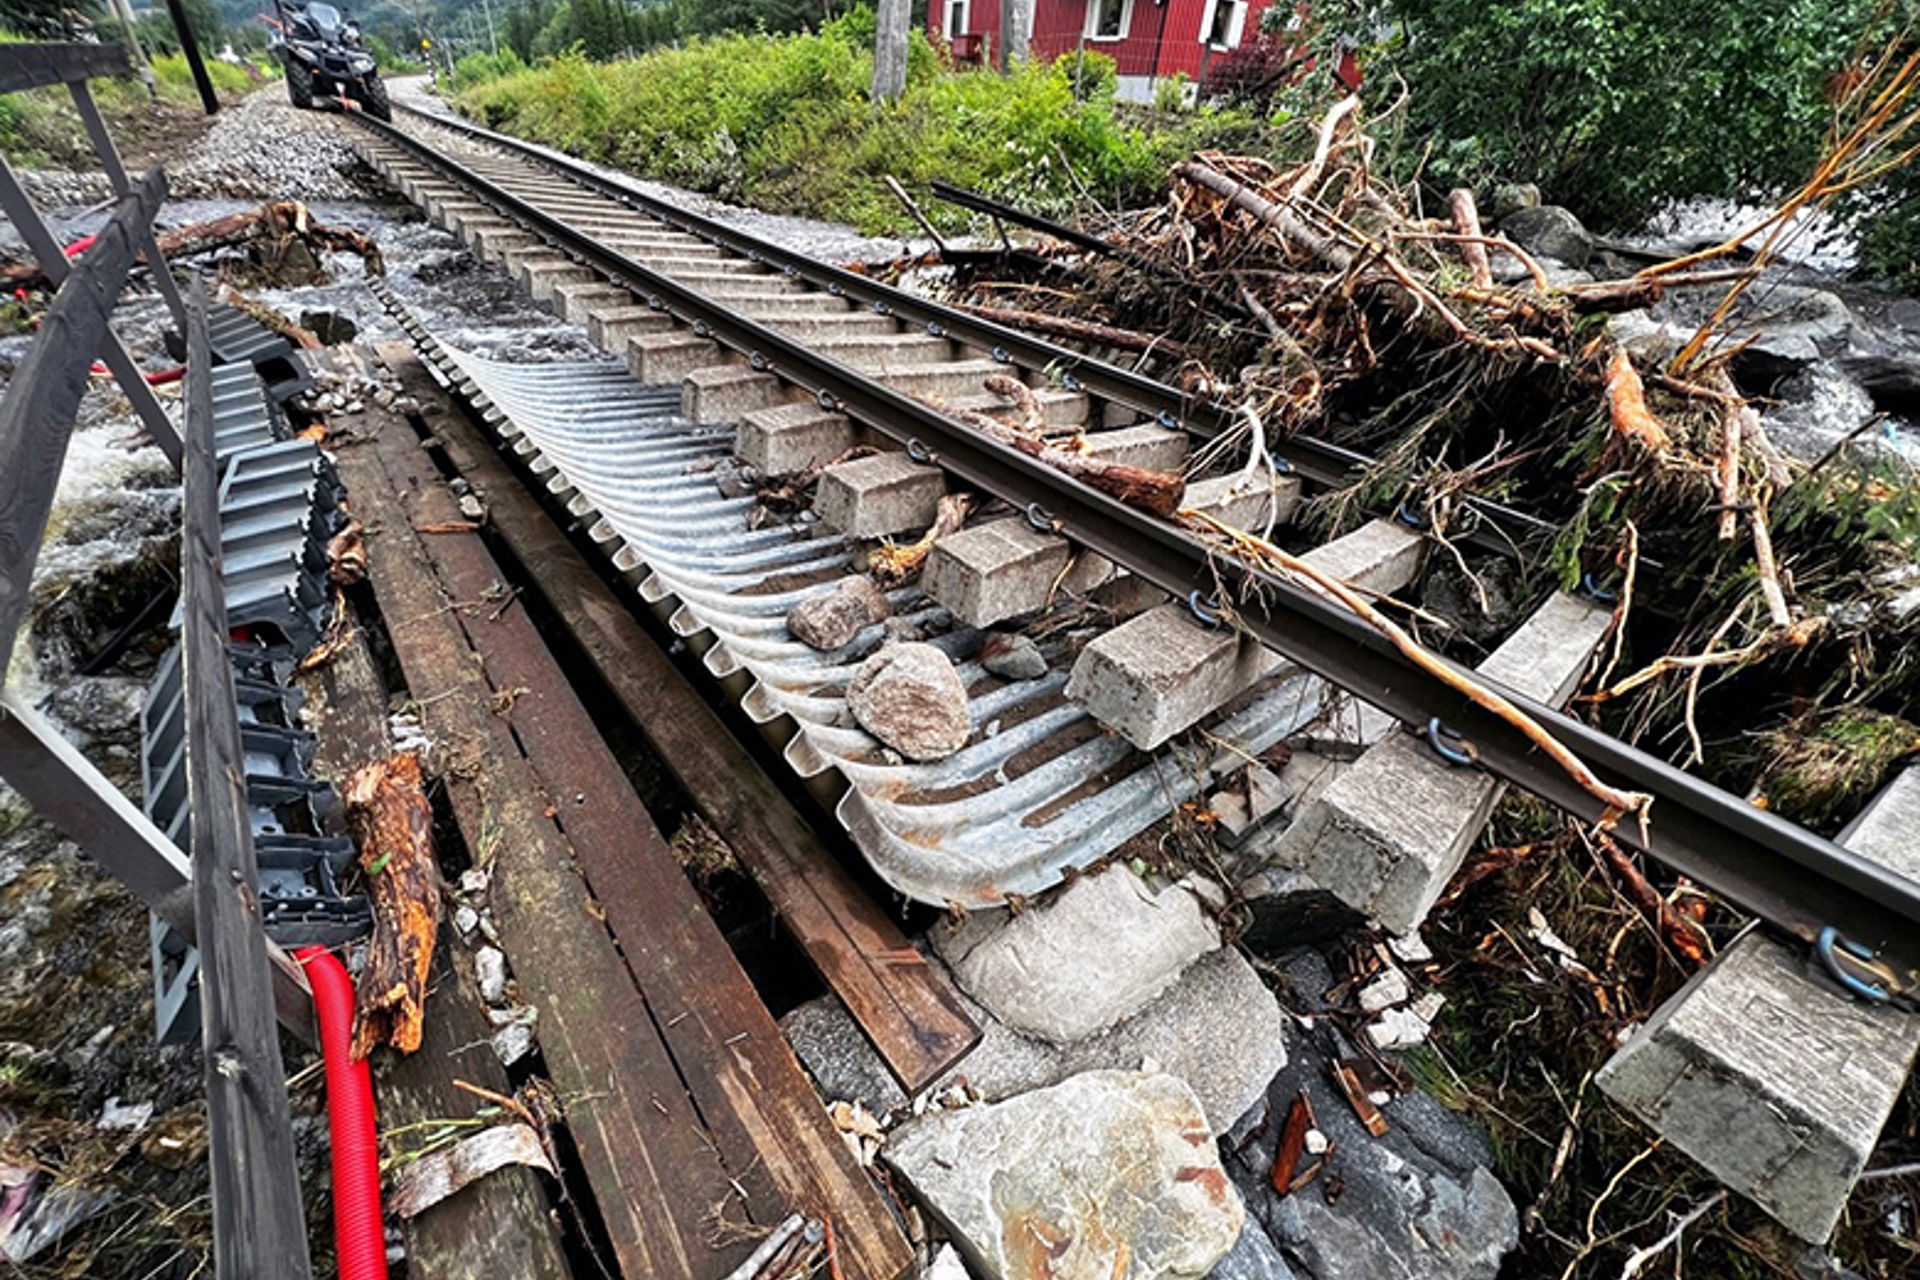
(29, 66)
(656, 1179)
(905, 1006)
(768, 1123)
(502, 1225)
(259, 1222)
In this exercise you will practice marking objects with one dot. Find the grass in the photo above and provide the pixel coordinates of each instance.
(786, 123)
(39, 128)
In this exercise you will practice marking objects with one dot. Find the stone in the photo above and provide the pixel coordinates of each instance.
(1217, 1027)
(830, 620)
(490, 973)
(1776, 1084)
(1014, 657)
(910, 697)
(1789, 329)
(1097, 952)
(1509, 198)
(1418, 1203)
(884, 494)
(1254, 1256)
(1255, 796)
(1390, 988)
(1387, 835)
(1549, 231)
(1110, 1175)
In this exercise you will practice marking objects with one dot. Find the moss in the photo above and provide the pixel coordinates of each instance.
(1820, 771)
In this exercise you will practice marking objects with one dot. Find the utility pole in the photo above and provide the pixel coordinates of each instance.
(890, 49)
(124, 11)
(190, 45)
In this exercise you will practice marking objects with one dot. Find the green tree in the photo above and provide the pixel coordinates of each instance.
(1616, 106)
(47, 19)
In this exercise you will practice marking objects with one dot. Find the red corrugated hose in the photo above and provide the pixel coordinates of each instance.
(359, 1234)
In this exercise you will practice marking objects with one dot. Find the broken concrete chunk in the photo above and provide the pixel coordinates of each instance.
(1218, 1028)
(910, 697)
(1097, 953)
(490, 972)
(1110, 1175)
(1385, 991)
(830, 620)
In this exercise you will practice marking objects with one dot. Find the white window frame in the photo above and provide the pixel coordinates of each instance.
(1236, 24)
(962, 8)
(1093, 18)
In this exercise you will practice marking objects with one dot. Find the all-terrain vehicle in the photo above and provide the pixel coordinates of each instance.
(321, 51)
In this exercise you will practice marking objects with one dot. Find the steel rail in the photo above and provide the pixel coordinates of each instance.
(1321, 462)
(1775, 869)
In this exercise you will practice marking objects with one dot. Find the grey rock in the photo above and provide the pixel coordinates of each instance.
(1254, 1256)
(1549, 231)
(1510, 197)
(831, 619)
(1107, 1174)
(1416, 1204)
(1791, 329)
(1013, 657)
(1095, 953)
(1217, 1027)
(910, 697)
(1639, 334)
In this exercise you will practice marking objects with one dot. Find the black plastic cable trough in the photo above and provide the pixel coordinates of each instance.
(1781, 872)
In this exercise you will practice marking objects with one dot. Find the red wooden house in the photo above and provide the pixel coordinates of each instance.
(1151, 40)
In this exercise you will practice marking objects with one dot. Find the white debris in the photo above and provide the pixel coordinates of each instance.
(1317, 1143)
(1385, 991)
(490, 971)
(1411, 948)
(513, 1042)
(118, 1115)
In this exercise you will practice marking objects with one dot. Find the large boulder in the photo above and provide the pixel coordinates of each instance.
(910, 697)
(1786, 328)
(1111, 1175)
(1217, 1027)
(1549, 231)
(1097, 952)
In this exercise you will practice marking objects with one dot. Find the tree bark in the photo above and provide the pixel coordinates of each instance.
(890, 49)
(388, 811)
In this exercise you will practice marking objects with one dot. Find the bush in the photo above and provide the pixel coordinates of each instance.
(478, 68)
(1617, 106)
(785, 122)
(175, 77)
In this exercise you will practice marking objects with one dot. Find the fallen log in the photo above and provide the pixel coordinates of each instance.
(1466, 220)
(392, 822)
(278, 220)
(1078, 330)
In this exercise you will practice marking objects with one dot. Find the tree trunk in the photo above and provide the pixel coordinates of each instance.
(890, 49)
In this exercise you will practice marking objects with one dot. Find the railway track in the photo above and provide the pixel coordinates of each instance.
(742, 357)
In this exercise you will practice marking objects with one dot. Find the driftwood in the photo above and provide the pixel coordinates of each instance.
(1105, 335)
(1466, 220)
(388, 811)
(278, 220)
(893, 564)
(1156, 491)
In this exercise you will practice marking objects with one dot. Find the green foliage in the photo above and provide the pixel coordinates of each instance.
(1615, 106)
(175, 77)
(478, 68)
(1170, 94)
(786, 123)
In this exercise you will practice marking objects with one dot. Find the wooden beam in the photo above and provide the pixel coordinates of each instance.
(906, 1007)
(259, 1222)
(29, 66)
(658, 1183)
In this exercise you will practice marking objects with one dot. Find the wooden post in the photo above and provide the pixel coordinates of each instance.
(890, 49)
(191, 47)
(259, 1223)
